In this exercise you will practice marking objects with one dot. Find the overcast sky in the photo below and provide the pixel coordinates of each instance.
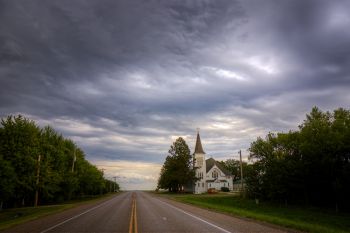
(124, 79)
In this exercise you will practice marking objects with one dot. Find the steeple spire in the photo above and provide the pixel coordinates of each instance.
(198, 149)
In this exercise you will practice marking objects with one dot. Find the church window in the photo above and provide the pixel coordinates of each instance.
(214, 174)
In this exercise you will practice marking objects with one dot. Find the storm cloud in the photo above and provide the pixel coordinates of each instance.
(125, 78)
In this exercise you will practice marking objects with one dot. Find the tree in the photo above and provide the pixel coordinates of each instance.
(311, 165)
(21, 144)
(234, 167)
(7, 181)
(177, 170)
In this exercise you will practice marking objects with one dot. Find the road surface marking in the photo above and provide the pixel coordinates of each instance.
(198, 218)
(76, 216)
(133, 217)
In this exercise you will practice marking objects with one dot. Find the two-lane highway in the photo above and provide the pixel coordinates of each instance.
(166, 217)
(141, 212)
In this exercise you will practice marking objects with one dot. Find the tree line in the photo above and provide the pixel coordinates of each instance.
(40, 164)
(310, 165)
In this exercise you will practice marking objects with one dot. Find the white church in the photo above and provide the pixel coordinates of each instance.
(211, 174)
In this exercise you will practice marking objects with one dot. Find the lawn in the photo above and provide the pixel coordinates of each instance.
(299, 218)
(12, 217)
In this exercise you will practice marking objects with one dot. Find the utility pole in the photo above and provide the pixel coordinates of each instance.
(74, 159)
(102, 170)
(37, 182)
(240, 161)
(115, 182)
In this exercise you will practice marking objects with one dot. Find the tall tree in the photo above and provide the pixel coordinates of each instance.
(20, 144)
(177, 170)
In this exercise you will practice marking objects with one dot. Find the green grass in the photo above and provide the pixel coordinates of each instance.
(304, 219)
(15, 216)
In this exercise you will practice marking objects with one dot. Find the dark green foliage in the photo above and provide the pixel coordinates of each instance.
(177, 170)
(234, 167)
(311, 165)
(305, 219)
(225, 189)
(21, 143)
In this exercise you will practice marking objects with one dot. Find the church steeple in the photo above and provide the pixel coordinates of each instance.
(198, 149)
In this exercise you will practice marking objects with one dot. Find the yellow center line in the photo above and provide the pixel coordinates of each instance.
(133, 217)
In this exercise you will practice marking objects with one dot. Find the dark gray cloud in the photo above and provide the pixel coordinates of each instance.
(125, 78)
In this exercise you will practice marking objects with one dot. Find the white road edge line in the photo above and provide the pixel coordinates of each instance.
(198, 218)
(76, 216)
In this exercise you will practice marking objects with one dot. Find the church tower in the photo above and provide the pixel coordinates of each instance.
(200, 165)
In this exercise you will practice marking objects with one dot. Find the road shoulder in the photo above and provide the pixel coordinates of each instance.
(227, 220)
(28, 224)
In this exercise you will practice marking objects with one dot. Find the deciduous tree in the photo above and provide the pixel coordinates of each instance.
(177, 170)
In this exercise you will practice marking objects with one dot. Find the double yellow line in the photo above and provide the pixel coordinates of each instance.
(133, 217)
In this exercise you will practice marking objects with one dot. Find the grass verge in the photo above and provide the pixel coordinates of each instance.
(299, 218)
(16, 216)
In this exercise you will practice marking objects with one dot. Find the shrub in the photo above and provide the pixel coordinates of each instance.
(225, 189)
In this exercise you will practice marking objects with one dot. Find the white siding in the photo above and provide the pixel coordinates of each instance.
(201, 185)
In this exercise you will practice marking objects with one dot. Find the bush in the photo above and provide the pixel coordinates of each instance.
(225, 189)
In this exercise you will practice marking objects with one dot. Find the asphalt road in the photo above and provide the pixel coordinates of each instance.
(141, 212)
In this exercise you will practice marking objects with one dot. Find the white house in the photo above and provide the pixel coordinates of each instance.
(211, 174)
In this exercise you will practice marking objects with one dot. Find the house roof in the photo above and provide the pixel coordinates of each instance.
(198, 149)
(211, 162)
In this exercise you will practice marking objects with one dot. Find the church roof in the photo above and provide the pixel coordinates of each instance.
(211, 162)
(198, 149)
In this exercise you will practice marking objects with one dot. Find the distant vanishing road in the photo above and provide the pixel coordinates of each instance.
(140, 212)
